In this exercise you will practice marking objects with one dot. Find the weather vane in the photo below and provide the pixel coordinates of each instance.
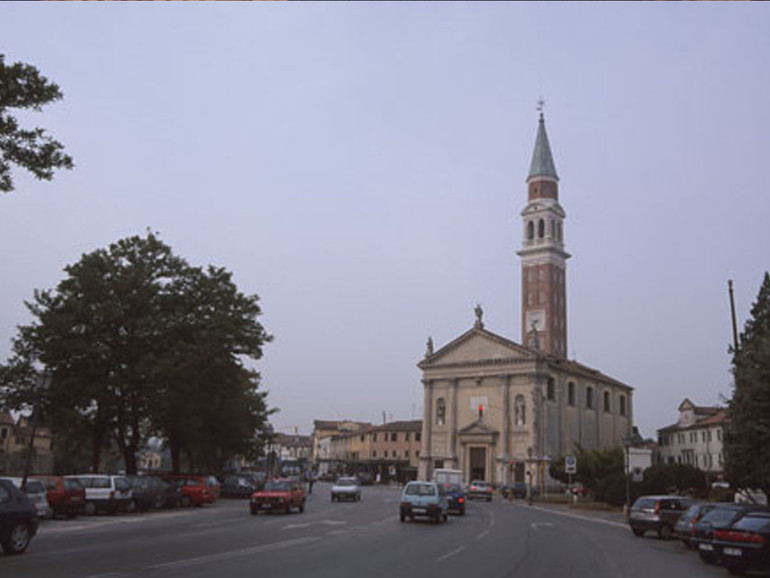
(540, 105)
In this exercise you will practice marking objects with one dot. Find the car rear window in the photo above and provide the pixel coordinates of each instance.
(753, 523)
(720, 516)
(34, 487)
(420, 490)
(645, 504)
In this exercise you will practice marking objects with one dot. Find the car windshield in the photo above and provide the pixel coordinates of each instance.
(346, 482)
(279, 486)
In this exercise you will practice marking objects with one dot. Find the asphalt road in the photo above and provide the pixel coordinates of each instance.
(362, 540)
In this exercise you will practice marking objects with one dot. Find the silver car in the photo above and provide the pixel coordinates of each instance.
(36, 492)
(346, 489)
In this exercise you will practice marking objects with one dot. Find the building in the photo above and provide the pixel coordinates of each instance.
(696, 439)
(15, 436)
(499, 410)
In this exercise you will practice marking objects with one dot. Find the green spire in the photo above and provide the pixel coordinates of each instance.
(542, 161)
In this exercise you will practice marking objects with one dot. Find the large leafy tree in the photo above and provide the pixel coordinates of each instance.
(23, 87)
(747, 436)
(136, 342)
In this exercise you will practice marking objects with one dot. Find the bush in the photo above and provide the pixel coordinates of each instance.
(611, 489)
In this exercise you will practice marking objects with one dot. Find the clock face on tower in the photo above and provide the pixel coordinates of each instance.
(536, 317)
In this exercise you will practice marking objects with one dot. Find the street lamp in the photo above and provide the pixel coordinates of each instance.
(529, 475)
(629, 440)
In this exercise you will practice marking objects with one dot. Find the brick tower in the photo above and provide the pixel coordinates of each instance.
(543, 258)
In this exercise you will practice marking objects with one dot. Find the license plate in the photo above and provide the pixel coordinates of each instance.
(265, 506)
(732, 552)
(419, 510)
(706, 547)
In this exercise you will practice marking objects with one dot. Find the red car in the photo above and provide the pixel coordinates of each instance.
(279, 494)
(196, 490)
(66, 496)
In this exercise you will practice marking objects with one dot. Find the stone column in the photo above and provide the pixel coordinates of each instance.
(454, 385)
(426, 454)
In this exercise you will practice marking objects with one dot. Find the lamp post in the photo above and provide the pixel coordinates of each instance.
(529, 475)
(629, 440)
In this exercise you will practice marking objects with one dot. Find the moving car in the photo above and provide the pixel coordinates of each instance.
(745, 545)
(657, 513)
(66, 497)
(480, 490)
(455, 496)
(18, 519)
(346, 489)
(281, 494)
(516, 489)
(423, 499)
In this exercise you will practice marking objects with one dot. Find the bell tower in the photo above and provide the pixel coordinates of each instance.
(543, 258)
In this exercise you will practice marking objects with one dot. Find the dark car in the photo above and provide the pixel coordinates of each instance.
(720, 518)
(745, 545)
(18, 519)
(153, 493)
(683, 527)
(237, 487)
(455, 496)
(67, 497)
(515, 490)
(657, 513)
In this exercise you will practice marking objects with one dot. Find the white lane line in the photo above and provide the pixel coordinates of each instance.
(233, 554)
(333, 522)
(483, 535)
(584, 518)
(450, 554)
(536, 525)
(293, 526)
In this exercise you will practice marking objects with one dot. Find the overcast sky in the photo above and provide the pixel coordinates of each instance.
(361, 168)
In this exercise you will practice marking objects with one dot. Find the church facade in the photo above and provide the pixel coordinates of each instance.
(502, 411)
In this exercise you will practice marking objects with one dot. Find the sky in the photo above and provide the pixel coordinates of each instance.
(361, 168)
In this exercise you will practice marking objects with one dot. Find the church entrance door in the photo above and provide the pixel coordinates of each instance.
(478, 463)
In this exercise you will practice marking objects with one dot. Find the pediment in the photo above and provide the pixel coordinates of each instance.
(478, 428)
(477, 346)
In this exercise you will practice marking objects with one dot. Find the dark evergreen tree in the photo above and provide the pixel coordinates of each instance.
(747, 437)
(23, 87)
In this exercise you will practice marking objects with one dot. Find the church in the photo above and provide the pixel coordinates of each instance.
(501, 411)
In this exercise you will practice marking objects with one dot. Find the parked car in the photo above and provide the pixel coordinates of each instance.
(237, 486)
(281, 494)
(105, 492)
(657, 513)
(196, 490)
(364, 478)
(455, 496)
(346, 489)
(153, 493)
(36, 493)
(423, 499)
(683, 527)
(67, 497)
(518, 489)
(480, 490)
(719, 518)
(745, 545)
(18, 519)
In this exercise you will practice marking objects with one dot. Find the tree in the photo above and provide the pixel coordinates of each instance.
(136, 342)
(747, 435)
(23, 87)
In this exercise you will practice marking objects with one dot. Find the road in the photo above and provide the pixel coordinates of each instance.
(362, 540)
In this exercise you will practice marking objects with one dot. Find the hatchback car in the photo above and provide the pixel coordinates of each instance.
(67, 497)
(423, 499)
(281, 494)
(105, 493)
(346, 489)
(455, 496)
(718, 519)
(237, 486)
(18, 519)
(480, 490)
(657, 513)
(196, 490)
(683, 527)
(36, 492)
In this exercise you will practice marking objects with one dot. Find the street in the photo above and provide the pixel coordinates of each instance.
(361, 539)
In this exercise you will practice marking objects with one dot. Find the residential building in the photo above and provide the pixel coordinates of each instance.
(15, 437)
(695, 439)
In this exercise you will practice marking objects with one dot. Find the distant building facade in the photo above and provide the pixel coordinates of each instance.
(501, 411)
(696, 439)
(15, 437)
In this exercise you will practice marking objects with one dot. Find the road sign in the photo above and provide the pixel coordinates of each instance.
(637, 474)
(570, 464)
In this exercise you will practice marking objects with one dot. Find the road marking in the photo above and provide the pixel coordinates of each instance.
(333, 522)
(450, 554)
(233, 554)
(483, 535)
(536, 525)
(577, 517)
(293, 526)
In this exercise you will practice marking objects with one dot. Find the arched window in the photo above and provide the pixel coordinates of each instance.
(551, 389)
(530, 230)
(607, 406)
(571, 393)
(541, 228)
(590, 397)
(440, 411)
(519, 411)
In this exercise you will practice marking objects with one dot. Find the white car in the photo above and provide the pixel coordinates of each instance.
(346, 489)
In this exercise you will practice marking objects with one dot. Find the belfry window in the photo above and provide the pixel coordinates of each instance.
(571, 393)
(606, 401)
(440, 411)
(541, 228)
(590, 397)
(530, 230)
(623, 405)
